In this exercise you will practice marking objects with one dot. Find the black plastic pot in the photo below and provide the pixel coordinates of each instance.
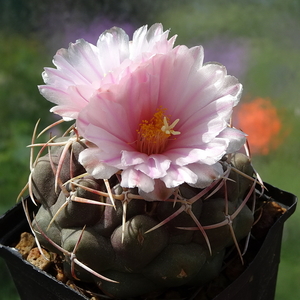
(257, 282)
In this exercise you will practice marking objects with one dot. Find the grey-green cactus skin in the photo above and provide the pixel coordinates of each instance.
(141, 260)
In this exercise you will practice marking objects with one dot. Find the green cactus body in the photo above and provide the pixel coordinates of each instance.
(143, 246)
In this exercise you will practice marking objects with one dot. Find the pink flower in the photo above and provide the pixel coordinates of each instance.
(83, 68)
(165, 122)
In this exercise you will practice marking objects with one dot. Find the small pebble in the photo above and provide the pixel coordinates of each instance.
(26, 243)
(37, 259)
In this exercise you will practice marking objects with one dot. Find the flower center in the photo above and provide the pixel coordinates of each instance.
(153, 135)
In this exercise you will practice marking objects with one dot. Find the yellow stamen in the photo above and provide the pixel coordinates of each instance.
(153, 135)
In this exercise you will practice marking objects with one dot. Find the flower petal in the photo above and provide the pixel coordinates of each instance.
(90, 159)
(159, 193)
(113, 46)
(236, 139)
(155, 166)
(133, 178)
(80, 61)
(91, 67)
(205, 174)
(131, 158)
(151, 41)
(177, 175)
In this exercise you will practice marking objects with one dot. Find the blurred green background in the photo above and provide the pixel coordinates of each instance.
(258, 41)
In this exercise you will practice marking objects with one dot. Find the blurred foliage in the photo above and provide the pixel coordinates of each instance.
(7, 288)
(36, 17)
(205, 19)
(21, 106)
(266, 30)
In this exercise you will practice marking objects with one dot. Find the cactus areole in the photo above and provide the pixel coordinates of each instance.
(151, 187)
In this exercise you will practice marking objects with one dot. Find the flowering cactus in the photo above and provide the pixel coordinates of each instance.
(147, 189)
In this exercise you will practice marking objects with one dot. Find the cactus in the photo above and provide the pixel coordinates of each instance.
(129, 246)
(146, 191)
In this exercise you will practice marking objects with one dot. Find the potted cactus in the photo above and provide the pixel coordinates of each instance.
(150, 194)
